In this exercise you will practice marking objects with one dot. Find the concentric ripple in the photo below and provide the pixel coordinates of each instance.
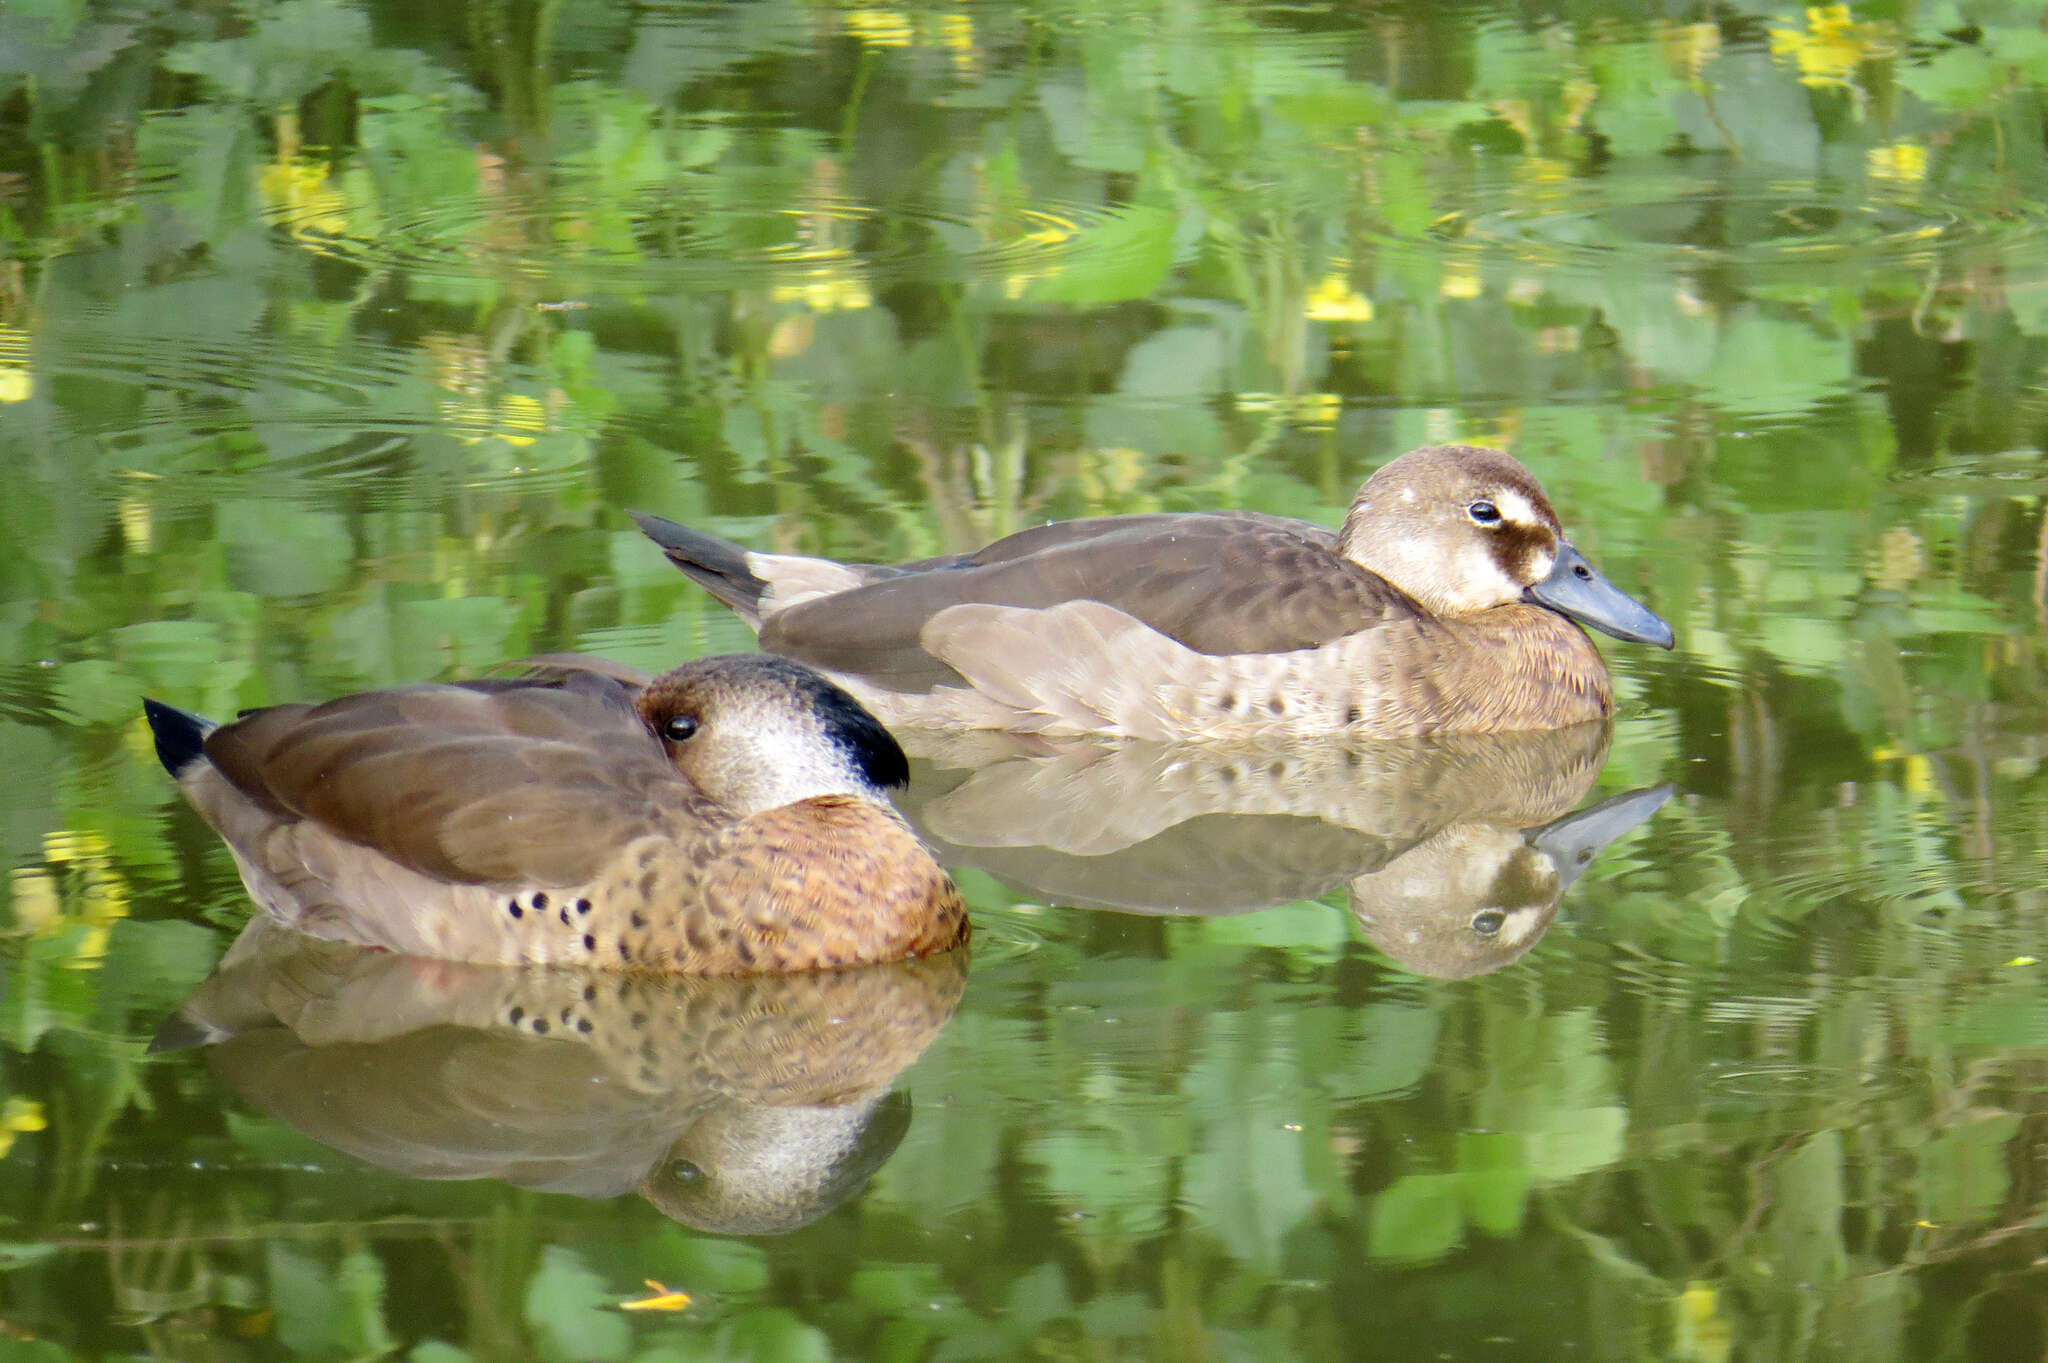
(1675, 219)
(574, 237)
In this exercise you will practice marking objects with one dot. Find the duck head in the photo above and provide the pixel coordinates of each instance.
(755, 731)
(1464, 529)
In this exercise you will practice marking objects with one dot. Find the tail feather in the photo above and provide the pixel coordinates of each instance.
(180, 735)
(718, 566)
(180, 1033)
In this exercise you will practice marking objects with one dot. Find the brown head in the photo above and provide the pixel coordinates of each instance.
(754, 731)
(1463, 529)
(1475, 896)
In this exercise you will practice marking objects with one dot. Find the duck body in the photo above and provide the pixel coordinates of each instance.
(1449, 602)
(724, 819)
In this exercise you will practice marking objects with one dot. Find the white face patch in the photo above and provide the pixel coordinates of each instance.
(1519, 925)
(1516, 508)
(1407, 494)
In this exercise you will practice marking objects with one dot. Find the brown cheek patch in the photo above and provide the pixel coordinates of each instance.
(1521, 550)
(1527, 881)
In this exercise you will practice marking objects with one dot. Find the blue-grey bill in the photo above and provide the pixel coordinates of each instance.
(1575, 588)
(1572, 842)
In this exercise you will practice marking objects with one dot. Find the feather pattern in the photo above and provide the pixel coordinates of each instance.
(552, 820)
(1442, 605)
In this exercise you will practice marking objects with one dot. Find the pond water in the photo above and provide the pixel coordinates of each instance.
(337, 338)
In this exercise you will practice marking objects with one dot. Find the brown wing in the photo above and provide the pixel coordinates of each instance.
(1220, 584)
(483, 783)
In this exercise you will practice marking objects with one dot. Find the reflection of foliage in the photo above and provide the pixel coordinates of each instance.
(332, 337)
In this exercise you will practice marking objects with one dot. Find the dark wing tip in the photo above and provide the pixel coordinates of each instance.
(180, 734)
(672, 534)
(180, 1033)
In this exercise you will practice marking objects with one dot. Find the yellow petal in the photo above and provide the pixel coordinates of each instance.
(662, 1300)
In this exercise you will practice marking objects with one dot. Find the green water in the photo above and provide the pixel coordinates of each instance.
(336, 338)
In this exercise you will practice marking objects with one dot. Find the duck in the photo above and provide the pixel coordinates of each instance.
(1454, 854)
(726, 818)
(1450, 601)
(745, 1105)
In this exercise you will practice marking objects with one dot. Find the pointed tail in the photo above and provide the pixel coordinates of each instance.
(180, 735)
(718, 566)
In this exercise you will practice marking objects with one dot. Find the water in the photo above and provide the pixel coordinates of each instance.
(335, 339)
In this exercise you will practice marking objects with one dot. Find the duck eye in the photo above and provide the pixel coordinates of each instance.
(679, 728)
(1483, 512)
(1487, 922)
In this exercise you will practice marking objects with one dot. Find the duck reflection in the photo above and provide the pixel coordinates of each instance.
(1455, 851)
(749, 1106)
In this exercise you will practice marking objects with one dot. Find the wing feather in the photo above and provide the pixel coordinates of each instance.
(481, 783)
(1223, 585)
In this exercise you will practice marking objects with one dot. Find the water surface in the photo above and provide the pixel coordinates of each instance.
(335, 338)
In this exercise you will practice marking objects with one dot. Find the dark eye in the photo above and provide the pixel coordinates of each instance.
(682, 1171)
(1483, 512)
(1487, 922)
(679, 728)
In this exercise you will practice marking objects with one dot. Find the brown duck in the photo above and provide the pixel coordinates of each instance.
(1454, 853)
(1450, 601)
(748, 1106)
(725, 819)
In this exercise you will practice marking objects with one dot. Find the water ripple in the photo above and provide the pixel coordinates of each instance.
(573, 236)
(1684, 221)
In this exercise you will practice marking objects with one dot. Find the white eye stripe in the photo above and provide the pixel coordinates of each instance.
(1515, 507)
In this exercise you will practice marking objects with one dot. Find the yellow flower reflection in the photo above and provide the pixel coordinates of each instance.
(1035, 249)
(1689, 47)
(830, 286)
(1299, 409)
(1901, 161)
(954, 33)
(1832, 45)
(299, 192)
(1334, 300)
(1460, 280)
(1701, 1334)
(17, 374)
(880, 27)
(1916, 773)
(77, 886)
(513, 418)
(462, 370)
(16, 1116)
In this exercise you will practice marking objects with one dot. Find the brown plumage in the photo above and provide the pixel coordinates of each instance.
(1445, 604)
(1453, 852)
(747, 1106)
(725, 819)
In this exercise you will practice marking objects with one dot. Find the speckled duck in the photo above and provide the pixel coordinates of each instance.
(727, 818)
